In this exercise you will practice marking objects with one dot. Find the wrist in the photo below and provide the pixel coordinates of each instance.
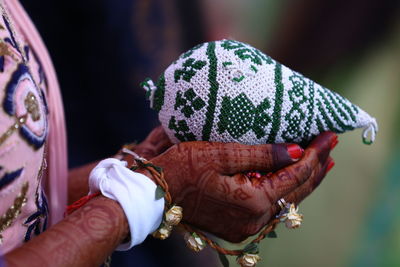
(134, 192)
(119, 219)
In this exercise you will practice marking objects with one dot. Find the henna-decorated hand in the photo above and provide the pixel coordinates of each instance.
(154, 144)
(207, 180)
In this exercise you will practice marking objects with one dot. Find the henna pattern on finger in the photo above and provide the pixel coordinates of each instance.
(284, 181)
(308, 187)
(240, 179)
(240, 194)
(280, 156)
(223, 188)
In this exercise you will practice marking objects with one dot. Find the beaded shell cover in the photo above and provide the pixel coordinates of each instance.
(228, 91)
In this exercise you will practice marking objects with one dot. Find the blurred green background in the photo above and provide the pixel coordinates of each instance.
(351, 47)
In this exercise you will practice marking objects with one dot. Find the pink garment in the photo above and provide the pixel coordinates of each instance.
(25, 60)
(57, 146)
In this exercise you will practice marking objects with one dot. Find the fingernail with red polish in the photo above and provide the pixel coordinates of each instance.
(330, 166)
(295, 151)
(334, 143)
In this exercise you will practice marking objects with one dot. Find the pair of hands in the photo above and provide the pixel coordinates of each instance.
(207, 179)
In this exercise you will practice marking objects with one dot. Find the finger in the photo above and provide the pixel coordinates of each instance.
(231, 158)
(311, 184)
(303, 191)
(288, 179)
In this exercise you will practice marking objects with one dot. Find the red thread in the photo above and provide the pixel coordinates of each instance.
(80, 202)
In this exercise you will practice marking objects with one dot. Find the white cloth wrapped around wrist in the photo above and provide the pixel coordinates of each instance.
(135, 193)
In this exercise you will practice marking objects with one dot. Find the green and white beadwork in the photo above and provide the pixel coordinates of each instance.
(228, 91)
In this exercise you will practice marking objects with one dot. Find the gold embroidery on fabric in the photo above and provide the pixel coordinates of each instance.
(12, 213)
(12, 28)
(32, 106)
(5, 51)
(20, 121)
(43, 167)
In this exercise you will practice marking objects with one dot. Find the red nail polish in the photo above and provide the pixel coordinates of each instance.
(330, 166)
(295, 151)
(334, 143)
